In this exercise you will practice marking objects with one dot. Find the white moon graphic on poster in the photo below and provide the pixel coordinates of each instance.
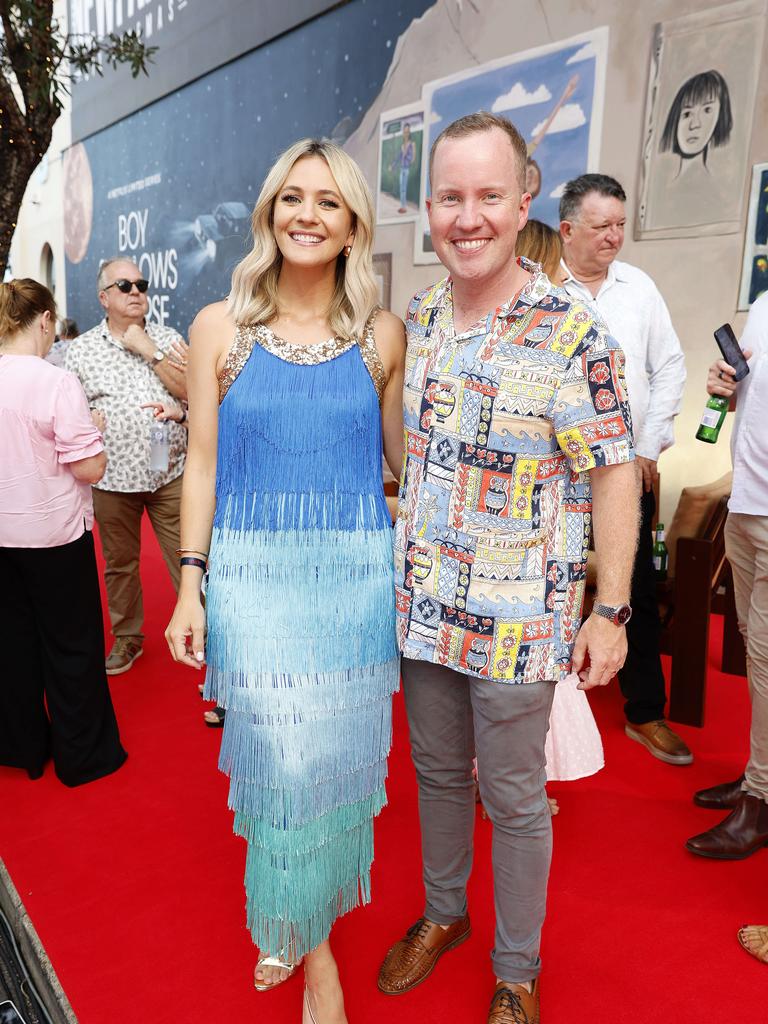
(78, 203)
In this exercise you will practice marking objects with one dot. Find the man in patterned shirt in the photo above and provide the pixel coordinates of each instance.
(122, 363)
(518, 443)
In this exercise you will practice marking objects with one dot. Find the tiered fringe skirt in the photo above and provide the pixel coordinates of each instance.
(301, 653)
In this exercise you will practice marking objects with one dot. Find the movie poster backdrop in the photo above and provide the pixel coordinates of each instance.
(172, 186)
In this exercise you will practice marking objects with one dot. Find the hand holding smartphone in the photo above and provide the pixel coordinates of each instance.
(731, 352)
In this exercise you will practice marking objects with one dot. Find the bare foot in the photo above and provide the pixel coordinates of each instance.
(554, 806)
(754, 938)
(266, 976)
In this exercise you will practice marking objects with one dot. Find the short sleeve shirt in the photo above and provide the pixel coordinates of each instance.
(44, 426)
(118, 382)
(502, 425)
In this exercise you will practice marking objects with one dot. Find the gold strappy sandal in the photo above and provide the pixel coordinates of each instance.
(273, 961)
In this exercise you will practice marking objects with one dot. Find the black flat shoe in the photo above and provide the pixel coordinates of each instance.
(219, 713)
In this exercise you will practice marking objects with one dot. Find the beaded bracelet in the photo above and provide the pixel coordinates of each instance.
(194, 561)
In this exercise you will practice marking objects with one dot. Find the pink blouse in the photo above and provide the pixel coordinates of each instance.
(45, 423)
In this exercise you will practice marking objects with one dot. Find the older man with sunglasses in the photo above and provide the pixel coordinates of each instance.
(123, 363)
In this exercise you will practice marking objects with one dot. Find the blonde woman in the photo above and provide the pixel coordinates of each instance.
(295, 386)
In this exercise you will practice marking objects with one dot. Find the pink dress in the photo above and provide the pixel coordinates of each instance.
(573, 747)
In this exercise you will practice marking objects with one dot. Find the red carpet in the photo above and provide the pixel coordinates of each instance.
(134, 882)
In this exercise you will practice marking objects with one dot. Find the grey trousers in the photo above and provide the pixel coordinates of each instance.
(454, 717)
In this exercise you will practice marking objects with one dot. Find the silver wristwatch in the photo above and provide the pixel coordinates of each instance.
(158, 357)
(618, 614)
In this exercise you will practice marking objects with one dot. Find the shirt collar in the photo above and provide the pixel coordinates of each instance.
(107, 335)
(615, 274)
(532, 293)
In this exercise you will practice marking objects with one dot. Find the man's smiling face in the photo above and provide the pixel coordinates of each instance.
(477, 206)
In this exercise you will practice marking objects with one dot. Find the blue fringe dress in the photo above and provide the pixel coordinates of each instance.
(301, 644)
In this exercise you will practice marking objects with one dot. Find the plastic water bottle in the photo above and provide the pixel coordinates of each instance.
(159, 447)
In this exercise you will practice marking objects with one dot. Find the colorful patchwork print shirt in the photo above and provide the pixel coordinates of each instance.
(502, 425)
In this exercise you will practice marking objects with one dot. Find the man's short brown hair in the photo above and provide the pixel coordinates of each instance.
(483, 121)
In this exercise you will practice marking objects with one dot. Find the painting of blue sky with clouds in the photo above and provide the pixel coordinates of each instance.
(553, 94)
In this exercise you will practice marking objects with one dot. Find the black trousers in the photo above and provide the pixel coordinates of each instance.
(53, 654)
(641, 679)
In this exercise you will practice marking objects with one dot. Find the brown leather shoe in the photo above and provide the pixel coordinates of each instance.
(739, 835)
(662, 742)
(720, 798)
(413, 958)
(514, 1004)
(125, 650)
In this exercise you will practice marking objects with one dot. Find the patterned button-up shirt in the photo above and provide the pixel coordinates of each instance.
(502, 425)
(118, 382)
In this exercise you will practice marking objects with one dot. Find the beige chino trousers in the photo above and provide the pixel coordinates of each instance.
(746, 545)
(119, 515)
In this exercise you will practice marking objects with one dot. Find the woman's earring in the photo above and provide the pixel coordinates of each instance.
(347, 250)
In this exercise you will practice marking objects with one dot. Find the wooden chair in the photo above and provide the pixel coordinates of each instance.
(702, 583)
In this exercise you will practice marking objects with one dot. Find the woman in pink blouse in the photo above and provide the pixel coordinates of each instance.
(51, 451)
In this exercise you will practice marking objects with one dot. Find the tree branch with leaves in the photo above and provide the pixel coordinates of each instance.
(38, 61)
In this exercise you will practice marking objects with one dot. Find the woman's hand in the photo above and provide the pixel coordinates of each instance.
(186, 632)
(99, 419)
(177, 355)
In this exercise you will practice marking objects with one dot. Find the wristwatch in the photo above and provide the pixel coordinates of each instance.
(619, 614)
(158, 357)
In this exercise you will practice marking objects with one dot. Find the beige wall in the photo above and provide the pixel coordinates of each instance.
(698, 276)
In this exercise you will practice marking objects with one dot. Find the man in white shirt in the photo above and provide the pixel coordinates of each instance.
(592, 219)
(745, 829)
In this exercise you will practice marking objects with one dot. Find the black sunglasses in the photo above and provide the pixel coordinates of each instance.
(125, 286)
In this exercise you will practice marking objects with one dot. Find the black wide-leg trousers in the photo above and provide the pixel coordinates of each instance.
(52, 655)
(641, 679)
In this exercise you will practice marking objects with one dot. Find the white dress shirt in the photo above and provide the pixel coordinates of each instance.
(638, 318)
(749, 441)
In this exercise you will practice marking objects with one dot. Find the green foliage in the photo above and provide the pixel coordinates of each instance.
(38, 61)
(41, 59)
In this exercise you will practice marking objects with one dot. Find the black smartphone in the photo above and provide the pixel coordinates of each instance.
(9, 1014)
(732, 354)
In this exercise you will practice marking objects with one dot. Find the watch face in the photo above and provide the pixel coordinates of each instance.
(623, 614)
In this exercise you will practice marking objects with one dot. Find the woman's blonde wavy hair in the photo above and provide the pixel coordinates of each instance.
(254, 298)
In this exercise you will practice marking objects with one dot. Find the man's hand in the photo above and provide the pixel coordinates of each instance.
(647, 469)
(720, 378)
(138, 341)
(606, 645)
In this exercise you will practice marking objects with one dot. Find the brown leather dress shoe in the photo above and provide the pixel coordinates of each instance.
(739, 835)
(413, 958)
(661, 741)
(514, 1004)
(720, 798)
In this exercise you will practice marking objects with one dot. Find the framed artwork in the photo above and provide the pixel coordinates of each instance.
(699, 110)
(554, 96)
(401, 140)
(382, 271)
(754, 268)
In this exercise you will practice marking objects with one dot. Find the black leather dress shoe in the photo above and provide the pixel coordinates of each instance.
(741, 834)
(720, 798)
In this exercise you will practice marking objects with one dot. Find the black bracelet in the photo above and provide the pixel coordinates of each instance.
(194, 561)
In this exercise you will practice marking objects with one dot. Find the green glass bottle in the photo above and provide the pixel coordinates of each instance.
(712, 419)
(660, 553)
